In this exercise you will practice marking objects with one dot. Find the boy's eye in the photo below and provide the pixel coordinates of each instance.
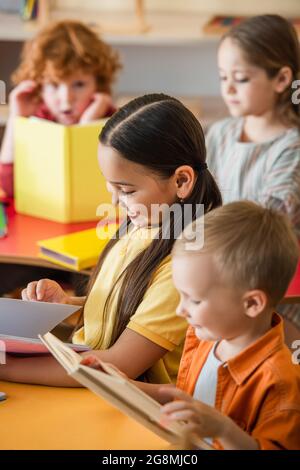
(196, 302)
(79, 84)
(222, 78)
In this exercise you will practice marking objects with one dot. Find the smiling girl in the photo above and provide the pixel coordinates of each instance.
(152, 151)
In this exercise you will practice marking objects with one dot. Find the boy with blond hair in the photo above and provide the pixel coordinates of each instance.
(237, 385)
(235, 365)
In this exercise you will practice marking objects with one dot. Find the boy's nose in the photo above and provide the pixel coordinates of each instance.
(181, 311)
(65, 98)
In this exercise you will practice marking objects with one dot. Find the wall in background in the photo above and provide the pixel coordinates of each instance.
(179, 68)
(176, 69)
(182, 70)
(230, 7)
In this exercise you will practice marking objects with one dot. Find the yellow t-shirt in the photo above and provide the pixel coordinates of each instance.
(155, 317)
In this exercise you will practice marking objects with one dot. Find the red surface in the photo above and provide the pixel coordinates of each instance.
(294, 288)
(26, 347)
(25, 231)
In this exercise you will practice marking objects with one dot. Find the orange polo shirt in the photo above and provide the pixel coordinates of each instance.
(259, 388)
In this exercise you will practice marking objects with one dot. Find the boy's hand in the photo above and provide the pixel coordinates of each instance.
(201, 420)
(97, 109)
(23, 100)
(45, 290)
(91, 360)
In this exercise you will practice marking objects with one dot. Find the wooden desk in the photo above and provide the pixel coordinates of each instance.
(20, 247)
(19, 260)
(36, 417)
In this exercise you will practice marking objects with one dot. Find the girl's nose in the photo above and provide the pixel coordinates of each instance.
(230, 88)
(115, 199)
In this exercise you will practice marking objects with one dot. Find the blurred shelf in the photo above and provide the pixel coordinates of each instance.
(166, 28)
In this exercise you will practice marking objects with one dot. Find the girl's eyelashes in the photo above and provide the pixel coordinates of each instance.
(242, 80)
(126, 192)
(237, 80)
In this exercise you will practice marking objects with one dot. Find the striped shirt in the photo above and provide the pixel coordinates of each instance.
(267, 173)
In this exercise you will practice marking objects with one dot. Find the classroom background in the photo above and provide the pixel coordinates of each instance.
(165, 51)
(163, 46)
(167, 46)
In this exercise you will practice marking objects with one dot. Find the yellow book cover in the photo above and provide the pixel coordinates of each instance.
(78, 250)
(57, 176)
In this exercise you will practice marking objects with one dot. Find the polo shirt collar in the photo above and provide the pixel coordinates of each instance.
(245, 363)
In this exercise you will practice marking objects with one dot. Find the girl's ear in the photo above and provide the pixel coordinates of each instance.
(283, 79)
(255, 302)
(185, 178)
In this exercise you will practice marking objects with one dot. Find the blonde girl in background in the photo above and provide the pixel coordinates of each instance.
(255, 154)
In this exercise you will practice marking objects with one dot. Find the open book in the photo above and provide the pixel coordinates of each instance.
(22, 321)
(118, 391)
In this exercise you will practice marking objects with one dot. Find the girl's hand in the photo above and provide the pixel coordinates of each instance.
(201, 420)
(23, 100)
(45, 290)
(97, 109)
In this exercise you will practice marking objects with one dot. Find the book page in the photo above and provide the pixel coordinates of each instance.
(29, 319)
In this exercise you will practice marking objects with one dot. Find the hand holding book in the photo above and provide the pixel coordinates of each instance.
(118, 390)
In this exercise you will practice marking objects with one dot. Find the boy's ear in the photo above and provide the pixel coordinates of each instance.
(255, 302)
(283, 79)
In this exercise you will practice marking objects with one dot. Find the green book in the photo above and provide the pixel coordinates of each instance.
(3, 221)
